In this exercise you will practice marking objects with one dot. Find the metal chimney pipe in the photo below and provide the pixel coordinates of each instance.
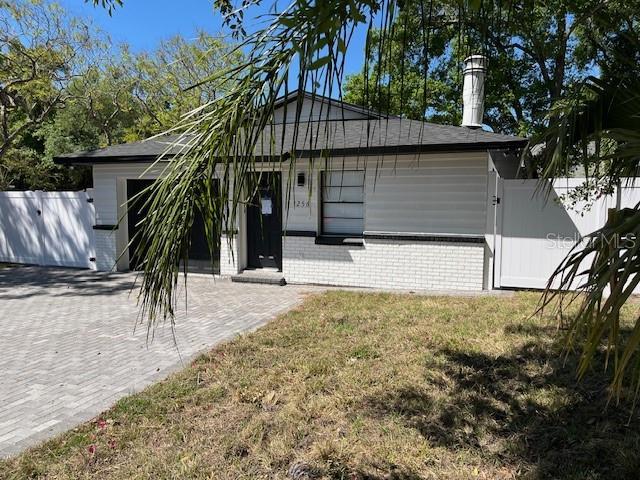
(475, 68)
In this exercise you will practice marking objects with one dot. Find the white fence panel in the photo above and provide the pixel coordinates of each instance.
(19, 227)
(47, 228)
(67, 234)
(630, 197)
(538, 232)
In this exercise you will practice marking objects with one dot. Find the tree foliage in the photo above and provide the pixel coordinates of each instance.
(410, 73)
(536, 51)
(171, 81)
(41, 51)
(130, 97)
(62, 90)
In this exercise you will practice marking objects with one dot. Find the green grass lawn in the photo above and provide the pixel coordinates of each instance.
(364, 386)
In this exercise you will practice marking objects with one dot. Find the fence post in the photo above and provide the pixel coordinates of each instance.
(497, 246)
(39, 224)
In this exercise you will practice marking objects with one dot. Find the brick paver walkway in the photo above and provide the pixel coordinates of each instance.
(68, 349)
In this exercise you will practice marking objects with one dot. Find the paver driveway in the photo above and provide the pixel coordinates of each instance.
(68, 349)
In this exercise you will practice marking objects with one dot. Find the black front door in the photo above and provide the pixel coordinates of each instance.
(264, 224)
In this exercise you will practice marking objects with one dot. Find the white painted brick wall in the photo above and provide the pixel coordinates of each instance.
(106, 253)
(388, 264)
(385, 264)
(105, 250)
(229, 256)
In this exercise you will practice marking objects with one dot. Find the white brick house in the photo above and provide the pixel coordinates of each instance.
(376, 202)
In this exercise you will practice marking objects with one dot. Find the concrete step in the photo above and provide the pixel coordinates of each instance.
(260, 275)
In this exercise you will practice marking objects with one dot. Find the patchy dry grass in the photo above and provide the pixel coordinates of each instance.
(364, 386)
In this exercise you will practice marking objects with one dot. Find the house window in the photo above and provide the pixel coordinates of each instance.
(343, 202)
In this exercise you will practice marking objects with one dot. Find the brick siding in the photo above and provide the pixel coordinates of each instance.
(105, 250)
(385, 264)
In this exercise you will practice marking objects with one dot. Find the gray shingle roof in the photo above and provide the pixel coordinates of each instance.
(387, 135)
(351, 137)
(152, 147)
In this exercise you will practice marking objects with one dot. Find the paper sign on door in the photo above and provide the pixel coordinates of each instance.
(266, 205)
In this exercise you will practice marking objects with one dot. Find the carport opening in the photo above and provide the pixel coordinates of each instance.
(199, 254)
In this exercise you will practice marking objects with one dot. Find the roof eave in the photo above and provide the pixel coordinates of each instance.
(356, 151)
(96, 160)
(117, 159)
(415, 149)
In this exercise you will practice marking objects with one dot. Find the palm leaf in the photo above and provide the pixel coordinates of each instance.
(612, 257)
(597, 126)
(304, 45)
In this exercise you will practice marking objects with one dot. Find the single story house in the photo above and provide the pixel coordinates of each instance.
(394, 203)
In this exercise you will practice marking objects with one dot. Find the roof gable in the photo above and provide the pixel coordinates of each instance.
(308, 107)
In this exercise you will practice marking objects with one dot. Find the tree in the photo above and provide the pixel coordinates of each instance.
(418, 85)
(97, 112)
(168, 83)
(538, 51)
(130, 97)
(105, 100)
(113, 99)
(41, 51)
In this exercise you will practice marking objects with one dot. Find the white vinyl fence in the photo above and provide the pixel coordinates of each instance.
(47, 228)
(534, 233)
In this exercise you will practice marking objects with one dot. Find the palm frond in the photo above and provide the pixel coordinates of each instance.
(227, 138)
(600, 274)
(597, 126)
(305, 45)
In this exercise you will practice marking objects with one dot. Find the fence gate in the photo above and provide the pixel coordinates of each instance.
(47, 228)
(535, 233)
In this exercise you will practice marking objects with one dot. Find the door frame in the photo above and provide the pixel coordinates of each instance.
(278, 206)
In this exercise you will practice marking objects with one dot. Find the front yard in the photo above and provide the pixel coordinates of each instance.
(364, 386)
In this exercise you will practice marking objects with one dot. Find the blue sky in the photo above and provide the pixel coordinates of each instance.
(144, 23)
